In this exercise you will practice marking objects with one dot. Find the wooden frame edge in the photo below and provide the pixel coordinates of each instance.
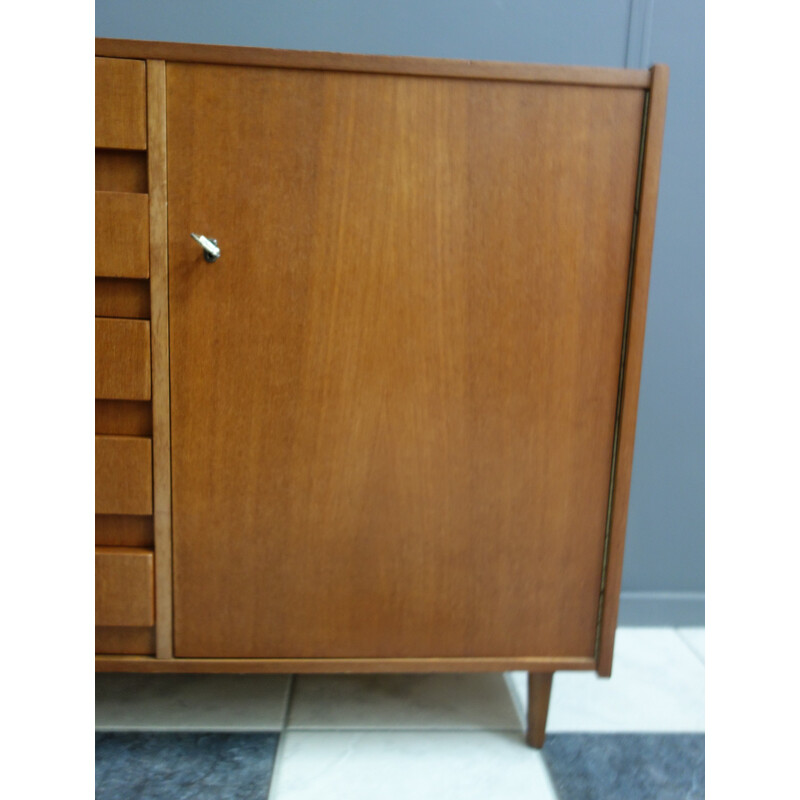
(159, 346)
(651, 168)
(106, 663)
(396, 65)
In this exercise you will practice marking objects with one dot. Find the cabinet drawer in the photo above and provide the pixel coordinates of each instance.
(123, 475)
(121, 235)
(122, 359)
(123, 587)
(120, 119)
(125, 641)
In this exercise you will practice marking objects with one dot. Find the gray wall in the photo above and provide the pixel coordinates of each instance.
(663, 581)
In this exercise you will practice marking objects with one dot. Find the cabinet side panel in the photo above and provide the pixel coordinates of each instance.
(651, 169)
(393, 397)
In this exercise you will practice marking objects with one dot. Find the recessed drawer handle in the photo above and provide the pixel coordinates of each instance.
(211, 251)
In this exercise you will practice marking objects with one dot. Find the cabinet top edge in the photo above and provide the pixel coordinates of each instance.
(392, 65)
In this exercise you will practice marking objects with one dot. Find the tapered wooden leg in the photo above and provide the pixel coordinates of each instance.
(539, 685)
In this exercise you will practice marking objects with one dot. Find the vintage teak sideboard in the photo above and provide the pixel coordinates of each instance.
(378, 414)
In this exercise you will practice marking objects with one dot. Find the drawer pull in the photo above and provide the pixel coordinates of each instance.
(211, 251)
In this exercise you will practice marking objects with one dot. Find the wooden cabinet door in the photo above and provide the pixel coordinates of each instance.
(394, 395)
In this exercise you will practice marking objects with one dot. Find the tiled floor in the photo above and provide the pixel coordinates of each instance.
(420, 736)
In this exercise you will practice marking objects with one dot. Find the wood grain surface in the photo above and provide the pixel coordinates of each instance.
(123, 530)
(387, 65)
(123, 477)
(128, 299)
(119, 113)
(121, 359)
(634, 348)
(123, 588)
(130, 641)
(393, 397)
(121, 235)
(120, 171)
(540, 685)
(123, 418)
(159, 305)
(283, 666)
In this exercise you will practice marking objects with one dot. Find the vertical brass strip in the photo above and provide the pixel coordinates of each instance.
(621, 381)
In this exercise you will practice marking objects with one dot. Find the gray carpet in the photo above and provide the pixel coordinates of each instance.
(183, 766)
(636, 766)
(238, 766)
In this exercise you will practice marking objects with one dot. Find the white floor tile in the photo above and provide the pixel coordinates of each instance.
(657, 685)
(419, 765)
(440, 701)
(695, 638)
(190, 702)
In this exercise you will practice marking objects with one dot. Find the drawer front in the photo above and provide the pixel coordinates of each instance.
(130, 641)
(123, 475)
(121, 235)
(122, 359)
(123, 586)
(120, 119)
